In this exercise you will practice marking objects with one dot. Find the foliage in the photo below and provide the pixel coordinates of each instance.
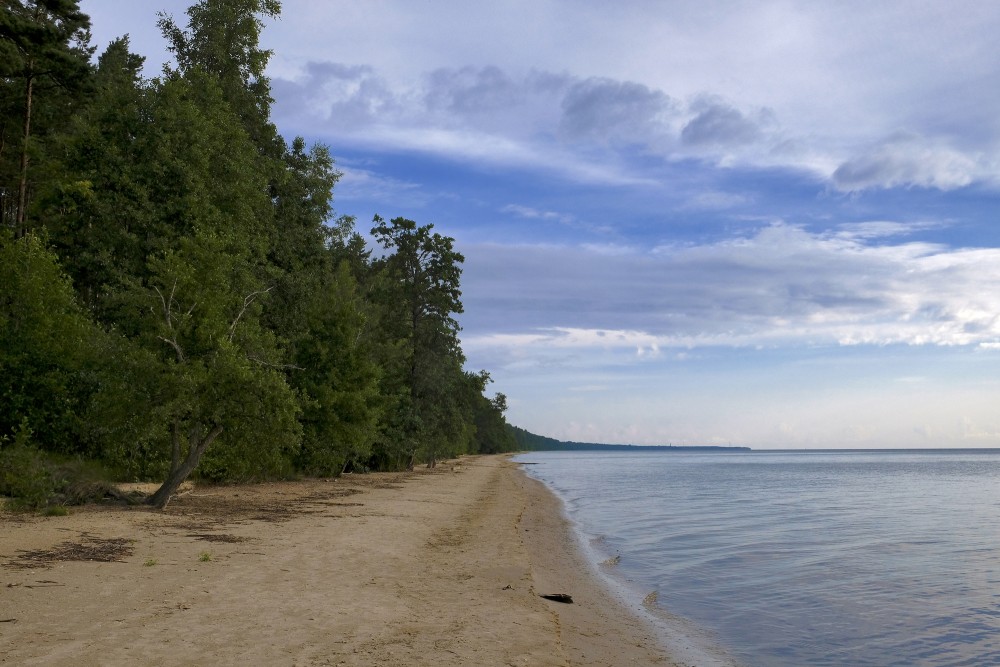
(48, 349)
(25, 475)
(44, 68)
(418, 289)
(182, 298)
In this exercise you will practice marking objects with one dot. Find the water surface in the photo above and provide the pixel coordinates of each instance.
(803, 558)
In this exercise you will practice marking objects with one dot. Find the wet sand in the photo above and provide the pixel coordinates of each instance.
(433, 567)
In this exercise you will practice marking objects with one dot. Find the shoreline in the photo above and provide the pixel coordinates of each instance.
(433, 567)
(685, 643)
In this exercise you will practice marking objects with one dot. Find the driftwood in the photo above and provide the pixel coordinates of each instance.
(559, 597)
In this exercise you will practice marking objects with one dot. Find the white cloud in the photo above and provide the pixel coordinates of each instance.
(589, 128)
(715, 201)
(876, 229)
(365, 184)
(535, 214)
(781, 286)
(788, 83)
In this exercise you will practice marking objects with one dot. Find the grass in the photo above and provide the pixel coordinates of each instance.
(150, 562)
(55, 510)
(205, 557)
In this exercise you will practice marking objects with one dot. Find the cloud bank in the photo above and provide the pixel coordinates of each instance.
(778, 287)
(558, 121)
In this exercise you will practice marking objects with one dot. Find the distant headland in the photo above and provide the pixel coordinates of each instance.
(528, 441)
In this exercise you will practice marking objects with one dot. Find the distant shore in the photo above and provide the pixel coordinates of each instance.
(433, 567)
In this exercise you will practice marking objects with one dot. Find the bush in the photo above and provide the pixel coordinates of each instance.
(25, 474)
(36, 480)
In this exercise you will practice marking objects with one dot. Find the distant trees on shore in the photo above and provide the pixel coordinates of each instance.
(176, 291)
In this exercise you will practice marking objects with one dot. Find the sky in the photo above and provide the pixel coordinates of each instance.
(769, 223)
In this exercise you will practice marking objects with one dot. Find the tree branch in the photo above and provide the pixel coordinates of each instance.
(249, 299)
(176, 346)
(280, 367)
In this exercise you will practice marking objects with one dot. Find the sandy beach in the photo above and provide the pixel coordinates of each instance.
(433, 567)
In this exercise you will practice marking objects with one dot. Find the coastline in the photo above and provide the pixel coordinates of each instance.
(433, 567)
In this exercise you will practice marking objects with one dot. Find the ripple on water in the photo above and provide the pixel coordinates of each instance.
(801, 558)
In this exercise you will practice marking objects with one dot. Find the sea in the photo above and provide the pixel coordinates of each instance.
(796, 558)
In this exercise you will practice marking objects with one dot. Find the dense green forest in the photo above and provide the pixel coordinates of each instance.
(177, 295)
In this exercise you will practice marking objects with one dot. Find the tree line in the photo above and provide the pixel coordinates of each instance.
(178, 296)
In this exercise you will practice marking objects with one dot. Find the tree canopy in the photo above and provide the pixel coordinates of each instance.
(178, 295)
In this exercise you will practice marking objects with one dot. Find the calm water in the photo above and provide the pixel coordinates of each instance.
(802, 558)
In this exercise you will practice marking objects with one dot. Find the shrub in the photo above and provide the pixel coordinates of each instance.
(25, 474)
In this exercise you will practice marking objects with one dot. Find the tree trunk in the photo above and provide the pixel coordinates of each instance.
(177, 475)
(22, 186)
(175, 447)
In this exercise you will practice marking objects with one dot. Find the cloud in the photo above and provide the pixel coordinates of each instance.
(571, 124)
(538, 119)
(780, 286)
(535, 214)
(470, 90)
(719, 124)
(877, 229)
(711, 200)
(605, 110)
(357, 183)
(671, 78)
(350, 96)
(908, 160)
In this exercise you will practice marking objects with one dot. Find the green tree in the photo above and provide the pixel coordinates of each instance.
(44, 50)
(493, 435)
(206, 289)
(222, 38)
(336, 378)
(419, 293)
(49, 350)
(98, 205)
(318, 312)
(170, 209)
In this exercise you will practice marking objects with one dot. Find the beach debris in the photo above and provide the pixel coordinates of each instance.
(508, 587)
(559, 597)
(650, 600)
(8, 620)
(113, 550)
(216, 537)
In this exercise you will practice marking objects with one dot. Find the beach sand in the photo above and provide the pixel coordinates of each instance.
(433, 567)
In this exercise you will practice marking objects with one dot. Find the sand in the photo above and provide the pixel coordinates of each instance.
(433, 567)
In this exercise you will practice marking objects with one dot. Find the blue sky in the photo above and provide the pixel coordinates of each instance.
(761, 223)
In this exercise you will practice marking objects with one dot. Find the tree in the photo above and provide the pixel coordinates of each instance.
(419, 294)
(492, 435)
(223, 39)
(222, 367)
(49, 350)
(336, 378)
(175, 195)
(44, 44)
(97, 205)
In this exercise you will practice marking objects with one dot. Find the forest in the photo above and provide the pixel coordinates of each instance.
(178, 296)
